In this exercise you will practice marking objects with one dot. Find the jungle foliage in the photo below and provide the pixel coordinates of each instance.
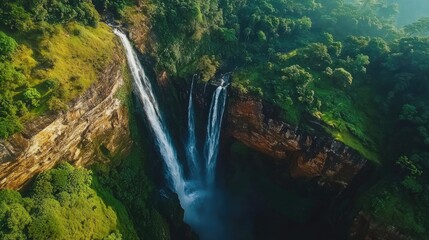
(343, 64)
(61, 204)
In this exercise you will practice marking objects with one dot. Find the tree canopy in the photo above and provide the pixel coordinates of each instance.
(61, 205)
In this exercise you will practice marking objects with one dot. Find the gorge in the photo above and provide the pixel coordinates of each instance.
(191, 119)
(193, 180)
(194, 183)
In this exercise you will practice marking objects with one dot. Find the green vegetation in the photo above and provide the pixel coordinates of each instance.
(272, 42)
(124, 183)
(47, 58)
(342, 64)
(62, 204)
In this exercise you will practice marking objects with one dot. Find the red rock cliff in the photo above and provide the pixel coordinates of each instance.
(310, 156)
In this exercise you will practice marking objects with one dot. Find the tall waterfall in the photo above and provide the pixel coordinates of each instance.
(195, 189)
(144, 90)
(214, 123)
(201, 213)
(195, 169)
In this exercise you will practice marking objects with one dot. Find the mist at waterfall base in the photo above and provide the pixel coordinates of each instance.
(194, 179)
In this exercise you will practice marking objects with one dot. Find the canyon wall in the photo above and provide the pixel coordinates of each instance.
(251, 121)
(94, 125)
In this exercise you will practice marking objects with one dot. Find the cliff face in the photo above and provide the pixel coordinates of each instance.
(250, 121)
(95, 123)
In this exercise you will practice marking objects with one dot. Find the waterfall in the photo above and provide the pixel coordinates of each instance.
(214, 124)
(191, 144)
(195, 190)
(201, 212)
(144, 90)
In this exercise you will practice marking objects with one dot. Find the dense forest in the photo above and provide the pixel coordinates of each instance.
(346, 65)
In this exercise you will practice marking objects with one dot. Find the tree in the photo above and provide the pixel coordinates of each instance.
(377, 48)
(315, 55)
(7, 45)
(31, 97)
(356, 65)
(296, 74)
(9, 125)
(115, 6)
(61, 205)
(418, 28)
(9, 77)
(207, 67)
(14, 217)
(228, 35)
(410, 53)
(354, 45)
(14, 17)
(303, 24)
(342, 77)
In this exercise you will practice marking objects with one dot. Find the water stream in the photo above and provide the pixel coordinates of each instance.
(197, 189)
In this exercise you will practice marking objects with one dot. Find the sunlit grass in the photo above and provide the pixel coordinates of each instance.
(79, 54)
(73, 56)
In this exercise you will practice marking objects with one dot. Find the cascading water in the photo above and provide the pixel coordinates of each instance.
(195, 169)
(213, 131)
(143, 88)
(197, 188)
(202, 212)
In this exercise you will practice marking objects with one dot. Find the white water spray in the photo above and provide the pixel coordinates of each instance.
(214, 123)
(143, 88)
(191, 147)
(194, 190)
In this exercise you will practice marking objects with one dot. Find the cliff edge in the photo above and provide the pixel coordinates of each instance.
(95, 124)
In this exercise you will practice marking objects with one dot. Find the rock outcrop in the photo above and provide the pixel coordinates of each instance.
(95, 125)
(250, 120)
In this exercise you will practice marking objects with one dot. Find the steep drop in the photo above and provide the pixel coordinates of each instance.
(144, 90)
(197, 188)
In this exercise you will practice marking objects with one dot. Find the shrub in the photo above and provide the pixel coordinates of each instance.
(52, 83)
(21, 108)
(31, 97)
(9, 125)
(7, 45)
(55, 104)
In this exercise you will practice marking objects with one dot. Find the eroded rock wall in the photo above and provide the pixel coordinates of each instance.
(309, 155)
(95, 122)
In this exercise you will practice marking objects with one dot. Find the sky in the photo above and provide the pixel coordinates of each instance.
(411, 10)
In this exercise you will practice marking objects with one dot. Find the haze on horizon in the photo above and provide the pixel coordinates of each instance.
(411, 10)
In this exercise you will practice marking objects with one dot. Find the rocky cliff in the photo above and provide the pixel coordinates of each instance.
(95, 124)
(251, 121)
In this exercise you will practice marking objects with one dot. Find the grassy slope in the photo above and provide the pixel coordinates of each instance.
(73, 56)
